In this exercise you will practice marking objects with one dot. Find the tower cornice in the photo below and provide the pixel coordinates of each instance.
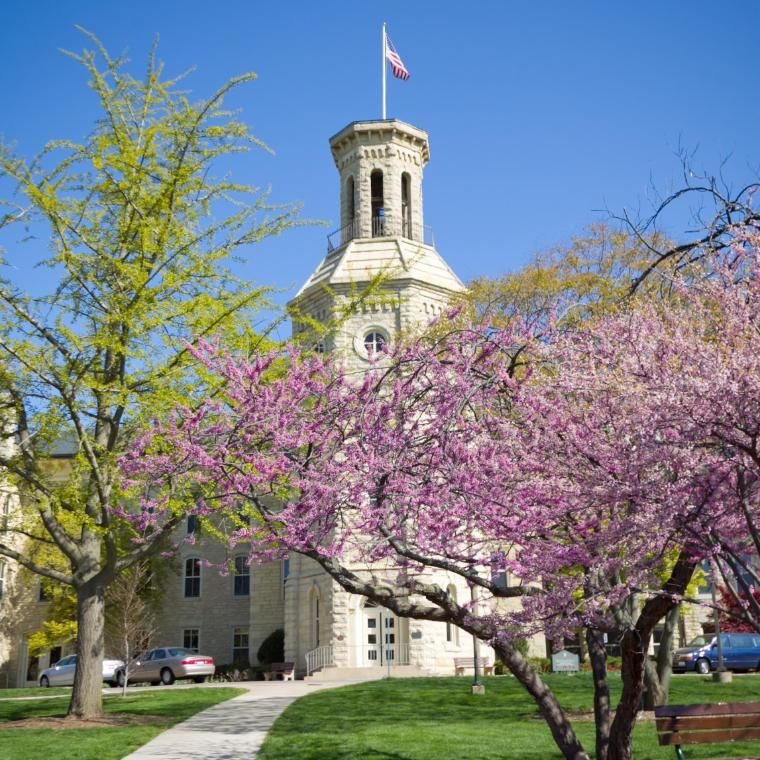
(377, 132)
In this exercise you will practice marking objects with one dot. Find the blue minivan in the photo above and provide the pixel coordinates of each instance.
(741, 651)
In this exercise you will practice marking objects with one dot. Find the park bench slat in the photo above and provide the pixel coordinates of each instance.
(711, 737)
(720, 708)
(707, 722)
(462, 663)
(284, 669)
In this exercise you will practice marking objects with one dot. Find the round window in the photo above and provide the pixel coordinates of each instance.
(374, 342)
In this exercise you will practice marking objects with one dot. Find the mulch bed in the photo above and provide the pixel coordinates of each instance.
(63, 724)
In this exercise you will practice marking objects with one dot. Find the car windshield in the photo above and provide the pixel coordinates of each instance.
(175, 652)
(700, 641)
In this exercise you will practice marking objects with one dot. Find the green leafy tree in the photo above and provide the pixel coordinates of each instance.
(141, 225)
(591, 275)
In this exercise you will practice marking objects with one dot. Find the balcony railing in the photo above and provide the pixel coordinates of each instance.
(381, 227)
(343, 235)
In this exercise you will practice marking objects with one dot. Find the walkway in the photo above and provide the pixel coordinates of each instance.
(232, 730)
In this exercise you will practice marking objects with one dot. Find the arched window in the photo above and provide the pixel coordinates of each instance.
(242, 577)
(374, 342)
(378, 203)
(350, 201)
(406, 206)
(192, 577)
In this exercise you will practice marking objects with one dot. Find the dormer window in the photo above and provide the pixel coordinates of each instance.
(378, 203)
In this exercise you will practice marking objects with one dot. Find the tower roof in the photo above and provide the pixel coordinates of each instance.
(393, 258)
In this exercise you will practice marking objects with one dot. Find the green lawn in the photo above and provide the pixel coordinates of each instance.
(438, 719)
(171, 705)
(34, 691)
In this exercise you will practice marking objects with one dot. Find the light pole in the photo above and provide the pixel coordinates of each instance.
(721, 675)
(477, 686)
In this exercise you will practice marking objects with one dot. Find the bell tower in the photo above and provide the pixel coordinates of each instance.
(380, 165)
(382, 273)
(381, 276)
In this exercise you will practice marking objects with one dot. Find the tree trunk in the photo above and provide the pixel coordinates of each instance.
(653, 691)
(621, 732)
(665, 654)
(598, 657)
(87, 695)
(550, 709)
(635, 647)
(657, 678)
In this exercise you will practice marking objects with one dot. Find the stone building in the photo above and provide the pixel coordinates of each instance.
(382, 239)
(384, 251)
(381, 277)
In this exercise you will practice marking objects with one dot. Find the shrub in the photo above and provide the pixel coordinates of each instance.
(272, 649)
(540, 664)
(235, 671)
(614, 663)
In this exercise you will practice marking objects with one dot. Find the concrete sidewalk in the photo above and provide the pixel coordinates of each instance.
(232, 730)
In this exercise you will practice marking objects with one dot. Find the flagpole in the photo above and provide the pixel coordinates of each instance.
(384, 68)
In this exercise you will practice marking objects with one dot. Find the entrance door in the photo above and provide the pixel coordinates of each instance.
(380, 635)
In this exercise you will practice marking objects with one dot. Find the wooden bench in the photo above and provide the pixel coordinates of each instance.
(468, 663)
(280, 671)
(707, 724)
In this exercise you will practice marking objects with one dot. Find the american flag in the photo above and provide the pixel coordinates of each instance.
(397, 65)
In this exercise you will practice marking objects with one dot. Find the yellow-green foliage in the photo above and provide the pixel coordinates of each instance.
(143, 224)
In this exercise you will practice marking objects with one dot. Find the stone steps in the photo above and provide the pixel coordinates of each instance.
(367, 674)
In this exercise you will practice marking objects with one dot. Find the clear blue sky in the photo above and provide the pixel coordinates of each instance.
(541, 115)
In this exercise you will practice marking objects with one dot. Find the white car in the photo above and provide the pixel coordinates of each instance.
(62, 673)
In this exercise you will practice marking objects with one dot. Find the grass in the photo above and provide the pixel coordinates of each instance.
(438, 719)
(34, 691)
(108, 743)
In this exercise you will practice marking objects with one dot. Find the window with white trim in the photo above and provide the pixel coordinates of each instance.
(242, 578)
(240, 644)
(191, 639)
(192, 577)
(5, 510)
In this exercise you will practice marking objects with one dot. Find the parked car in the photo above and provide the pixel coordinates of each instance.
(62, 673)
(741, 651)
(167, 664)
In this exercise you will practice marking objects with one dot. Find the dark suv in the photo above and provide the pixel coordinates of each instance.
(741, 651)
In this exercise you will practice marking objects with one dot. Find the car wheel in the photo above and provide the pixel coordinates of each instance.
(703, 666)
(120, 678)
(44, 682)
(199, 679)
(167, 677)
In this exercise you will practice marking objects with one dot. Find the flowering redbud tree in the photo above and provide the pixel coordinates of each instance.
(704, 385)
(450, 456)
